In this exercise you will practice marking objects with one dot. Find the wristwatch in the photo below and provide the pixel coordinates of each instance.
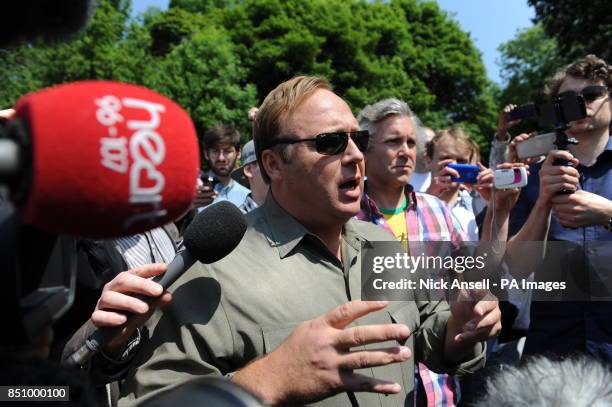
(608, 225)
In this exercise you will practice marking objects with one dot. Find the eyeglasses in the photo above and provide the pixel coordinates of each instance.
(215, 152)
(593, 92)
(331, 143)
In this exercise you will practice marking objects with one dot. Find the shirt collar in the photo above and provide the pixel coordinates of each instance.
(286, 232)
(219, 187)
(351, 236)
(370, 206)
(411, 197)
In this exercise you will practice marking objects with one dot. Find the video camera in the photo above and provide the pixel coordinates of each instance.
(565, 108)
(556, 114)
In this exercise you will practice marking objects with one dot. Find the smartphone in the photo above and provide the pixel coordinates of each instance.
(511, 178)
(467, 173)
(536, 146)
(210, 181)
(522, 112)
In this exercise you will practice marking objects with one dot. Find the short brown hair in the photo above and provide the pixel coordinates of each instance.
(277, 107)
(221, 134)
(458, 134)
(590, 67)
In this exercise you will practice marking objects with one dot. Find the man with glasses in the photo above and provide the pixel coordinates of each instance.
(543, 213)
(281, 315)
(221, 150)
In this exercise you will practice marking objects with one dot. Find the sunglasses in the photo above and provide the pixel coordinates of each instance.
(332, 143)
(593, 92)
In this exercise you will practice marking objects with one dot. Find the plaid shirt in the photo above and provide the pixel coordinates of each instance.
(427, 219)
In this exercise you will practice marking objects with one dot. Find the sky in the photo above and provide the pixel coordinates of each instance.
(490, 23)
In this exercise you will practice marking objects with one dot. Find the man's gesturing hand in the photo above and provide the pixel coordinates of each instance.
(317, 360)
(475, 317)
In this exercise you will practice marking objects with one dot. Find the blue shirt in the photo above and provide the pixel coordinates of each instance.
(233, 192)
(565, 327)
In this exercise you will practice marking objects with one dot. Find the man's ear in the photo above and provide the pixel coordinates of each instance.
(206, 154)
(248, 171)
(238, 153)
(272, 164)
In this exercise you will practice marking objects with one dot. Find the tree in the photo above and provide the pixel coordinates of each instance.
(219, 57)
(580, 26)
(88, 56)
(368, 50)
(204, 75)
(527, 63)
(18, 75)
(201, 6)
(174, 53)
(450, 66)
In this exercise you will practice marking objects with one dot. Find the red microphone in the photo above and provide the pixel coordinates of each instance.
(107, 159)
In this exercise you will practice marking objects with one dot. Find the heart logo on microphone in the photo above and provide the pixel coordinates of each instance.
(146, 182)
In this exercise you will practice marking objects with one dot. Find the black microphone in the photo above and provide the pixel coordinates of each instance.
(213, 234)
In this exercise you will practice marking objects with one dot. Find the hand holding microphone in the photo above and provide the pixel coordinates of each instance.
(94, 159)
(7, 114)
(212, 235)
(117, 300)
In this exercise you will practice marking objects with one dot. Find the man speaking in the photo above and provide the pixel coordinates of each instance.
(281, 315)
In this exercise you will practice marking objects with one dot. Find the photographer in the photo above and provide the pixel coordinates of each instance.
(454, 146)
(221, 151)
(545, 214)
(501, 140)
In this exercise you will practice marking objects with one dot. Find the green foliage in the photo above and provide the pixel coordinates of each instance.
(217, 58)
(201, 6)
(169, 29)
(205, 77)
(368, 50)
(90, 55)
(527, 62)
(174, 53)
(580, 26)
(19, 74)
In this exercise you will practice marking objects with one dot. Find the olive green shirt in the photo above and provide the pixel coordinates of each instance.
(226, 314)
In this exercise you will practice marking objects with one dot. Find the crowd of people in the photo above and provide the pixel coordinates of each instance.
(283, 316)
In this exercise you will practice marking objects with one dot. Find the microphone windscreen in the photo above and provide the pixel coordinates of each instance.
(215, 232)
(108, 159)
